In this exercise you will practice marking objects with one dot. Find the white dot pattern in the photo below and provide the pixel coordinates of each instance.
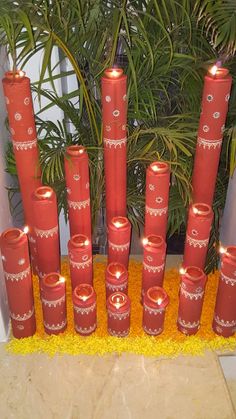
(210, 98)
(205, 128)
(26, 101)
(216, 115)
(30, 130)
(116, 113)
(108, 99)
(17, 116)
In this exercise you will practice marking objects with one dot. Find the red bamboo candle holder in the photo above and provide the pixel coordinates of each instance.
(78, 190)
(118, 314)
(17, 272)
(119, 233)
(224, 322)
(197, 235)
(157, 197)
(155, 302)
(53, 297)
(46, 229)
(116, 279)
(85, 309)
(154, 254)
(20, 112)
(216, 93)
(191, 295)
(114, 119)
(80, 260)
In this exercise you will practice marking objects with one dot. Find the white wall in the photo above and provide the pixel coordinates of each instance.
(228, 227)
(5, 217)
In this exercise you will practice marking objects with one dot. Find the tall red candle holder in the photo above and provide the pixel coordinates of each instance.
(78, 190)
(118, 314)
(154, 254)
(119, 233)
(80, 260)
(20, 112)
(85, 309)
(216, 93)
(154, 306)
(191, 295)
(224, 322)
(53, 297)
(114, 119)
(17, 272)
(116, 279)
(46, 229)
(157, 197)
(197, 235)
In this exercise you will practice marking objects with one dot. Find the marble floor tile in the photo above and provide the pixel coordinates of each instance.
(112, 387)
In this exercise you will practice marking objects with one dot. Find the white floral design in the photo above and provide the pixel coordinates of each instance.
(21, 261)
(205, 128)
(55, 327)
(202, 142)
(210, 98)
(194, 232)
(151, 187)
(156, 211)
(46, 233)
(116, 113)
(85, 330)
(216, 115)
(149, 258)
(24, 145)
(17, 116)
(26, 101)
(79, 204)
(30, 130)
(108, 128)
(159, 199)
(76, 177)
(115, 143)
(108, 99)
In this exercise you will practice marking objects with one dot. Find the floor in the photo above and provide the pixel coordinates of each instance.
(117, 387)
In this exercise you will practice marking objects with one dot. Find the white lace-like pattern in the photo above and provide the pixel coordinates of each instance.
(152, 331)
(79, 204)
(224, 323)
(119, 247)
(118, 287)
(81, 265)
(85, 330)
(19, 276)
(188, 325)
(196, 243)
(156, 211)
(114, 143)
(54, 303)
(24, 317)
(57, 326)
(191, 295)
(119, 316)
(154, 311)
(46, 233)
(227, 280)
(209, 144)
(24, 145)
(153, 269)
(118, 334)
(84, 310)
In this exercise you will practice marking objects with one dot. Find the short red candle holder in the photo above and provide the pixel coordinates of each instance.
(224, 322)
(155, 302)
(191, 295)
(119, 232)
(197, 235)
(85, 309)
(80, 260)
(154, 254)
(17, 272)
(118, 311)
(53, 297)
(116, 279)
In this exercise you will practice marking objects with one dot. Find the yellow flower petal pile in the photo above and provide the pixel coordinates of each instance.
(170, 343)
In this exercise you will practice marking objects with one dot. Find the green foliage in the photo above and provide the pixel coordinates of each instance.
(164, 48)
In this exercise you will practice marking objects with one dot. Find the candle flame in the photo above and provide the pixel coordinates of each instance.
(155, 168)
(62, 279)
(21, 73)
(213, 70)
(86, 242)
(115, 73)
(182, 271)
(26, 229)
(81, 151)
(222, 250)
(145, 241)
(195, 210)
(118, 274)
(118, 224)
(159, 301)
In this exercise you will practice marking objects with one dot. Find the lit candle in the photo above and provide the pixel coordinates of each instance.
(80, 260)
(224, 322)
(78, 190)
(53, 297)
(197, 235)
(114, 121)
(154, 306)
(157, 197)
(116, 279)
(20, 112)
(85, 309)
(46, 230)
(17, 272)
(118, 310)
(119, 233)
(216, 93)
(154, 254)
(191, 295)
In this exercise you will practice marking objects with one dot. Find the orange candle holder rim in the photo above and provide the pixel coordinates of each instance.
(153, 241)
(15, 75)
(201, 209)
(156, 293)
(159, 167)
(43, 192)
(193, 273)
(123, 298)
(75, 150)
(120, 222)
(113, 73)
(231, 252)
(120, 268)
(53, 279)
(79, 240)
(83, 288)
(221, 72)
(13, 235)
